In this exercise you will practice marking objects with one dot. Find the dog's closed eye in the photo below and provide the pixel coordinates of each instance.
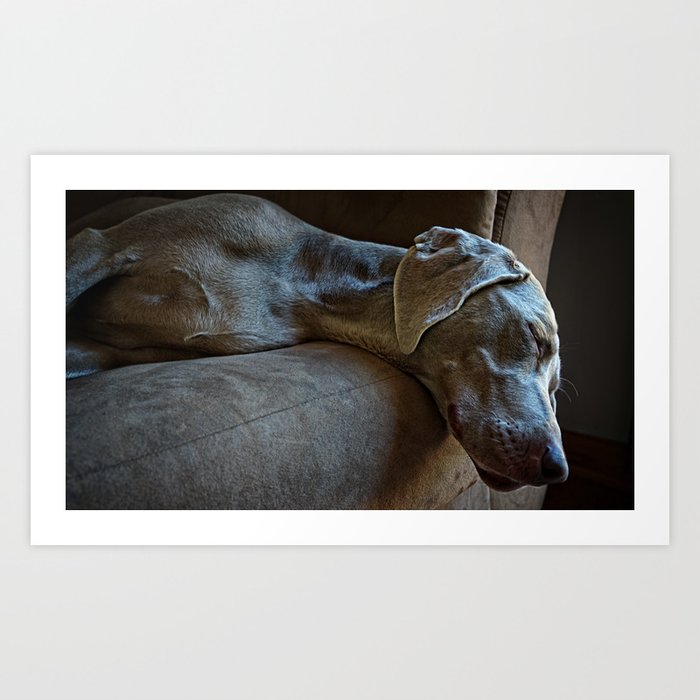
(538, 345)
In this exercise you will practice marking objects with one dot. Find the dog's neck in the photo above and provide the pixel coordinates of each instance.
(347, 289)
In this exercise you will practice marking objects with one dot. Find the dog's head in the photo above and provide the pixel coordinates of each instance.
(483, 338)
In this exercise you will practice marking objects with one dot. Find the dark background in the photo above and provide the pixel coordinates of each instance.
(591, 287)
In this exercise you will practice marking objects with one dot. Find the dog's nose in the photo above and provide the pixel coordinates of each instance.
(554, 467)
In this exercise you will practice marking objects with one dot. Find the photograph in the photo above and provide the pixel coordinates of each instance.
(356, 363)
(349, 349)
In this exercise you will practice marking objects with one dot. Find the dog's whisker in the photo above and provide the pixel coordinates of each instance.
(573, 386)
(563, 391)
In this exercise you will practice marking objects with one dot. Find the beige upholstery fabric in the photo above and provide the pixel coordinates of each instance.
(527, 498)
(391, 217)
(525, 221)
(481, 497)
(320, 425)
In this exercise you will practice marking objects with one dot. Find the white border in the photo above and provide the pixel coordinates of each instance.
(647, 175)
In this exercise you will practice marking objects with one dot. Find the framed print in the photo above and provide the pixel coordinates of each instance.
(350, 349)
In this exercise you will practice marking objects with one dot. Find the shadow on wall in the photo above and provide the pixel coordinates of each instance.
(591, 287)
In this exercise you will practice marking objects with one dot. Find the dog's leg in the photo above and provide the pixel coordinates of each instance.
(91, 258)
(87, 356)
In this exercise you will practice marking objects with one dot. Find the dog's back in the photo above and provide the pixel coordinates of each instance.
(192, 275)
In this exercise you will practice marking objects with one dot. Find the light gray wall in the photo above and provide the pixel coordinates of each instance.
(80, 623)
(591, 287)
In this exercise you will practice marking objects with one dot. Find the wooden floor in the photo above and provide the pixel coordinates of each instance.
(601, 476)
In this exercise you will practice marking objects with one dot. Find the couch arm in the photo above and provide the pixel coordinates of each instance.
(525, 221)
(321, 425)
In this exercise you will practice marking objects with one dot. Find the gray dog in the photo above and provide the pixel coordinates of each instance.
(229, 274)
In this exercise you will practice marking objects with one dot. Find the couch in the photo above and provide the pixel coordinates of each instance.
(316, 426)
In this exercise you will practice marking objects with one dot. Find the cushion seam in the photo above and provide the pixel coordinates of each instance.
(500, 214)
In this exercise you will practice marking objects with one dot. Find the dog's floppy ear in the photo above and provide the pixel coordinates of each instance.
(437, 274)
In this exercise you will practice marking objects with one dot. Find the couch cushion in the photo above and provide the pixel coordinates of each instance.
(320, 425)
(393, 217)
